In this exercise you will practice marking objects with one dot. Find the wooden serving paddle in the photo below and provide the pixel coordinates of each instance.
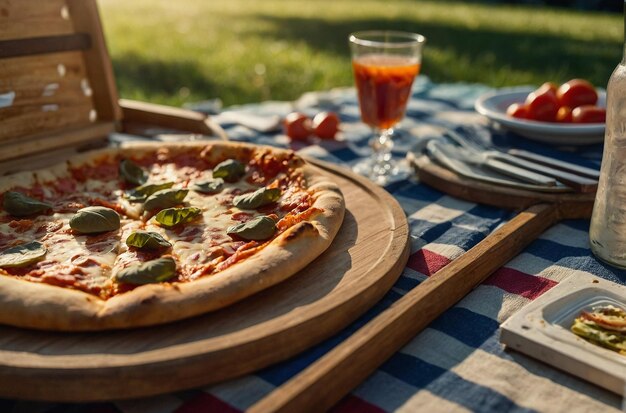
(326, 381)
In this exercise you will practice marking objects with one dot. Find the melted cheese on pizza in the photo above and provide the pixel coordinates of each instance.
(79, 261)
(90, 262)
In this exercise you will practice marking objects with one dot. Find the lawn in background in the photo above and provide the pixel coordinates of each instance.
(243, 51)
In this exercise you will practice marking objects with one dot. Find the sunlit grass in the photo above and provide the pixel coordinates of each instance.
(246, 50)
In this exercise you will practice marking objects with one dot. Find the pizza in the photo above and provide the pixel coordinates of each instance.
(151, 233)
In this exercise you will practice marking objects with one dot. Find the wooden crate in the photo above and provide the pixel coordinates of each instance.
(57, 88)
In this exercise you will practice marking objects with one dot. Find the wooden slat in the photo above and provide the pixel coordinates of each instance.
(43, 110)
(52, 156)
(86, 19)
(41, 118)
(45, 69)
(40, 45)
(33, 18)
(45, 141)
(51, 92)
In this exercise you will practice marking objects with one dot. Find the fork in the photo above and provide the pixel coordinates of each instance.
(470, 141)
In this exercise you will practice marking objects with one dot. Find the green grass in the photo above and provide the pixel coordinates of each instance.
(251, 50)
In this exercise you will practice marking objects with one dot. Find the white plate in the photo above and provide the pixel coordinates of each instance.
(493, 105)
(542, 330)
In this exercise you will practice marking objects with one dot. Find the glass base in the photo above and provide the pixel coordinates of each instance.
(383, 173)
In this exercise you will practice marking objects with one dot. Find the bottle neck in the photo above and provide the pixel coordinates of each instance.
(624, 54)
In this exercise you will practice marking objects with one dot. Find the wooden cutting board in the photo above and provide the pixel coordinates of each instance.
(365, 259)
(570, 205)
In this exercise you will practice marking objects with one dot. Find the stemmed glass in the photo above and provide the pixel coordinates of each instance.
(385, 64)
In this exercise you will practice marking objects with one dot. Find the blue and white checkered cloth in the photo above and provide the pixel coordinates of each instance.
(456, 364)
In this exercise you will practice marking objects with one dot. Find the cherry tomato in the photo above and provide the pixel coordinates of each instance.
(577, 92)
(542, 105)
(517, 110)
(589, 114)
(297, 126)
(564, 115)
(550, 85)
(326, 125)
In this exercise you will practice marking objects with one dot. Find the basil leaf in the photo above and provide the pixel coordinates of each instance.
(171, 217)
(132, 173)
(20, 205)
(230, 170)
(22, 255)
(257, 229)
(165, 198)
(159, 270)
(147, 240)
(256, 199)
(94, 220)
(212, 186)
(142, 192)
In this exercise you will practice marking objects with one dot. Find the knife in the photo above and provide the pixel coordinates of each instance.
(530, 161)
(579, 183)
(494, 164)
(556, 164)
(440, 153)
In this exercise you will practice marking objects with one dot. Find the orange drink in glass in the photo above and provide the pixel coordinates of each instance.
(385, 65)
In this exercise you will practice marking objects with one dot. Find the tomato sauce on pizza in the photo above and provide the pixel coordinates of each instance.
(201, 247)
(153, 232)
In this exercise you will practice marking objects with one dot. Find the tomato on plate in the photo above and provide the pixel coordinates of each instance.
(589, 114)
(326, 125)
(550, 85)
(564, 115)
(542, 105)
(517, 110)
(297, 126)
(577, 92)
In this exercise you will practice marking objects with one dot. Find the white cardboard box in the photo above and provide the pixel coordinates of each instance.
(542, 330)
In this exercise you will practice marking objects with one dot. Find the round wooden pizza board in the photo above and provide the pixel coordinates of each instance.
(365, 259)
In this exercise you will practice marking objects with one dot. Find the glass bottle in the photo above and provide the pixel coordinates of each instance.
(608, 222)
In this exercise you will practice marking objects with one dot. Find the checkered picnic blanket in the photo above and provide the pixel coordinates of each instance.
(456, 364)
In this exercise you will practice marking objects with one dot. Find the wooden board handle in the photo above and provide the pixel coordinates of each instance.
(325, 382)
(169, 117)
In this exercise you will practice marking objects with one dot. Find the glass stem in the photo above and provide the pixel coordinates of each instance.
(382, 144)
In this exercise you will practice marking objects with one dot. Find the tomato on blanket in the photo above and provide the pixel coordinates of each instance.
(298, 126)
(326, 125)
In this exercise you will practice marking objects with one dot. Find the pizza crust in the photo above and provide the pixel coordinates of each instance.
(44, 306)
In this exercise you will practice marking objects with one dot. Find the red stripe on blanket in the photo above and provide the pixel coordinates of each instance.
(353, 404)
(427, 262)
(205, 402)
(516, 282)
(510, 280)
